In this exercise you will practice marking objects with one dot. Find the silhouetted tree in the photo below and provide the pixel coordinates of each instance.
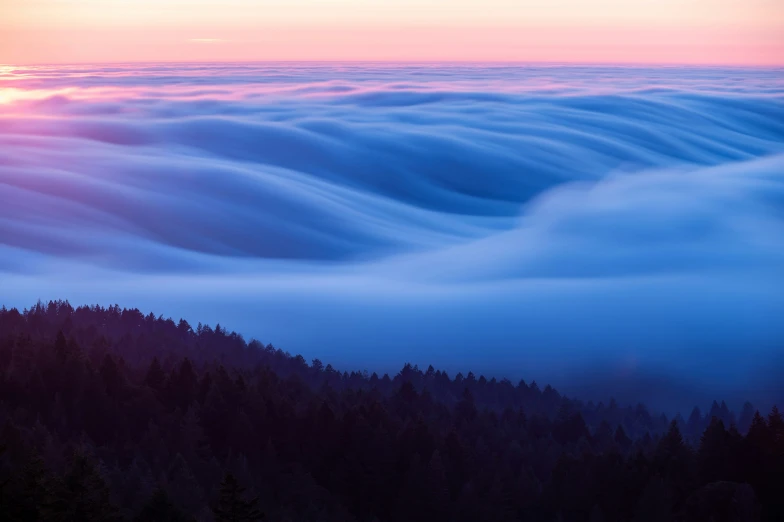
(232, 506)
(80, 495)
(160, 413)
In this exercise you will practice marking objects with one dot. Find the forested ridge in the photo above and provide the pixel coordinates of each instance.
(108, 414)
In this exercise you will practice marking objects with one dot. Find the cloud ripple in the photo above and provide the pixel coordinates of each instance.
(577, 208)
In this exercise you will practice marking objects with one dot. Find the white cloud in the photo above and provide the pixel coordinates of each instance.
(455, 215)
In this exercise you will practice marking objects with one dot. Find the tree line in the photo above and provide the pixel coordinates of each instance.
(108, 414)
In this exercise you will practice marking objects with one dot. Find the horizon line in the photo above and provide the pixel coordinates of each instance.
(586, 63)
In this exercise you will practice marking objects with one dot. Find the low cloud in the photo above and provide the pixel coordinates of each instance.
(517, 221)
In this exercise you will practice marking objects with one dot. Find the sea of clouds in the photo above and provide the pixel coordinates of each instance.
(606, 229)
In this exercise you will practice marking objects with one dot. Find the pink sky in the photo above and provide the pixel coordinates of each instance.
(744, 32)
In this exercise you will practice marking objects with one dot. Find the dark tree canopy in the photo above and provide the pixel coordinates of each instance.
(108, 414)
(232, 505)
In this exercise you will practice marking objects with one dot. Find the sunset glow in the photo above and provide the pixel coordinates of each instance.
(663, 31)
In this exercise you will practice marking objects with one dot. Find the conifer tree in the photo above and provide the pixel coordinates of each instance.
(81, 495)
(232, 506)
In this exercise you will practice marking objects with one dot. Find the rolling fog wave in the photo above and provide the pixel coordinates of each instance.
(522, 221)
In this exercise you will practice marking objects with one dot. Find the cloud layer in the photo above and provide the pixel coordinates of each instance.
(523, 220)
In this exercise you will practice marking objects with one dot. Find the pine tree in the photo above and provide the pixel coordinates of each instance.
(60, 347)
(758, 431)
(232, 507)
(192, 437)
(695, 425)
(671, 446)
(81, 495)
(183, 486)
(621, 439)
(746, 416)
(155, 377)
(111, 376)
(713, 454)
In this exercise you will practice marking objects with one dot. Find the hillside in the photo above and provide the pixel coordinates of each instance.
(110, 414)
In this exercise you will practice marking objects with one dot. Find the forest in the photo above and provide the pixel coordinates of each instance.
(108, 414)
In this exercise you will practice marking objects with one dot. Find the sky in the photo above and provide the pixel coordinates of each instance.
(738, 32)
